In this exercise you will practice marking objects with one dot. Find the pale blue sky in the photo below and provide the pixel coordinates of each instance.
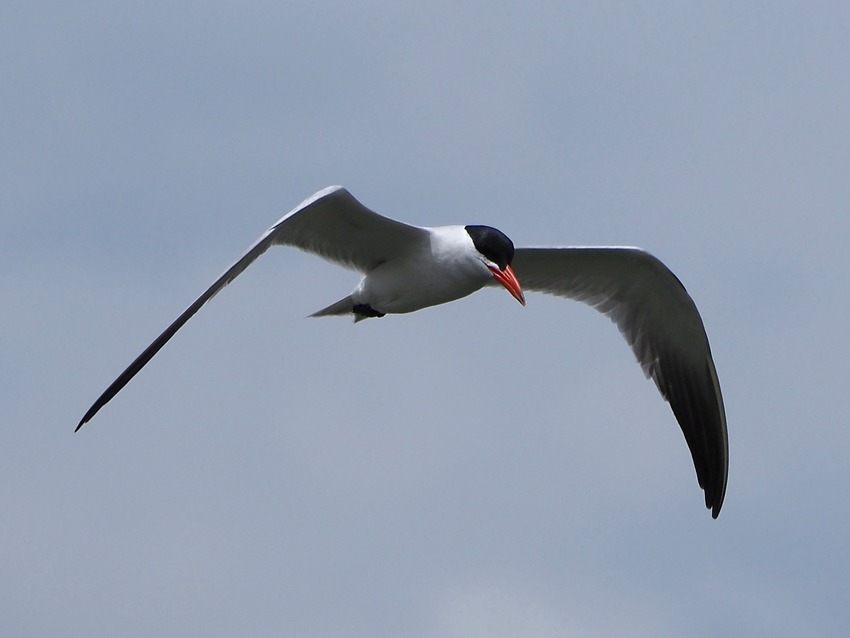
(477, 469)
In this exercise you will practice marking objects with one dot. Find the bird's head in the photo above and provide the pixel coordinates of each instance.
(496, 251)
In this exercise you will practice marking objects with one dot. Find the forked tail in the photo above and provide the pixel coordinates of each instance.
(344, 306)
(347, 306)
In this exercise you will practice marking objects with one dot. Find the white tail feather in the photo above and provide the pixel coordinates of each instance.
(342, 307)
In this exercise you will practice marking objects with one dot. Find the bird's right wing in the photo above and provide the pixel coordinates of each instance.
(331, 224)
(662, 325)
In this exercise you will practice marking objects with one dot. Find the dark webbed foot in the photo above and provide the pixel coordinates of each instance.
(363, 310)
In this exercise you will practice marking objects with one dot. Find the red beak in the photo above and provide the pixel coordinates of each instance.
(508, 279)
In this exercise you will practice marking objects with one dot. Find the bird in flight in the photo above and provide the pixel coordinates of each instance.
(406, 268)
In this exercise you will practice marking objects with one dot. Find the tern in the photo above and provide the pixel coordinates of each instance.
(406, 268)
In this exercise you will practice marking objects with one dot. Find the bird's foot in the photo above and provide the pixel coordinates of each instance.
(362, 311)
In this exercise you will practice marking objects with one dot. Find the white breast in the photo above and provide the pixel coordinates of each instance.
(449, 269)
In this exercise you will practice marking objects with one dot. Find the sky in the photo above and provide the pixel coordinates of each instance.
(475, 469)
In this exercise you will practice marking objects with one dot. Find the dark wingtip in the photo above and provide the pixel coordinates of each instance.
(715, 492)
(716, 501)
(95, 408)
(88, 415)
(715, 507)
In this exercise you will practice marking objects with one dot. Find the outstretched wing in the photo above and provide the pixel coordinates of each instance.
(331, 224)
(662, 325)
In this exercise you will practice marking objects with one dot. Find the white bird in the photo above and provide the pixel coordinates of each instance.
(406, 268)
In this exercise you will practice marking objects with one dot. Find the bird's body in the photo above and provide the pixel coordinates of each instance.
(401, 284)
(406, 268)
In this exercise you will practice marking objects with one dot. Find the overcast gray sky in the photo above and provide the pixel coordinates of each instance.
(477, 469)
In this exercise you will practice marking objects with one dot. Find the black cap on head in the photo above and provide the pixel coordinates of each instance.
(493, 244)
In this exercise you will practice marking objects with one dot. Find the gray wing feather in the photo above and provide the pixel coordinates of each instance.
(335, 226)
(662, 325)
(331, 224)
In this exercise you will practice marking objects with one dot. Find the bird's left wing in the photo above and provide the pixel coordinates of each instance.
(662, 325)
(331, 224)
